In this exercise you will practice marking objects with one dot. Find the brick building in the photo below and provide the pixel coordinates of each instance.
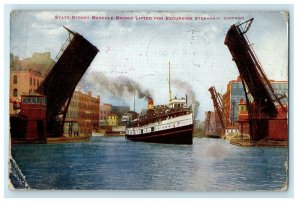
(105, 110)
(22, 81)
(235, 92)
(83, 113)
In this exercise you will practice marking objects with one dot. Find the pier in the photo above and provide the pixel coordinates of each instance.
(261, 143)
(67, 139)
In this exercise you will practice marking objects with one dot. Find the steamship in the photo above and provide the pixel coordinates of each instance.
(169, 124)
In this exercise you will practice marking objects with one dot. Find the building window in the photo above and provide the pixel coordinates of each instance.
(30, 81)
(15, 79)
(38, 100)
(44, 101)
(38, 82)
(24, 100)
(33, 100)
(34, 82)
(15, 93)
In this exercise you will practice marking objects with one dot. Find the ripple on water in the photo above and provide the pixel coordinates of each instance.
(113, 163)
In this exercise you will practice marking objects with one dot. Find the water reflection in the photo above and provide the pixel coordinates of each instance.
(117, 164)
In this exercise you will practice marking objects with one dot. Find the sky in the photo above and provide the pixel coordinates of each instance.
(138, 51)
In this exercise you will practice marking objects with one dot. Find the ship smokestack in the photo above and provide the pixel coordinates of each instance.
(150, 103)
(186, 99)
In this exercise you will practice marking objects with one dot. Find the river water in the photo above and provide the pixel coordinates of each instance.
(112, 163)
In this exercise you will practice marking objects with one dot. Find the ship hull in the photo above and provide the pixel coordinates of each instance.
(179, 135)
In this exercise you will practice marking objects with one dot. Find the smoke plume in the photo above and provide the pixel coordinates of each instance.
(186, 87)
(119, 86)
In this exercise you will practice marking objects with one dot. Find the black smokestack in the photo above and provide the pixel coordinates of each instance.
(186, 99)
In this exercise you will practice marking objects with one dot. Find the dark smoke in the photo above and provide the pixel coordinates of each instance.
(188, 89)
(119, 86)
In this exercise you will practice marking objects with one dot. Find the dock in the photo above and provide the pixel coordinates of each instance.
(261, 143)
(245, 141)
(67, 139)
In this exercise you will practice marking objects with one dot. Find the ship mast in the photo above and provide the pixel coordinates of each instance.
(134, 100)
(170, 93)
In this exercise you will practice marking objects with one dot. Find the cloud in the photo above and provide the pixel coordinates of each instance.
(44, 16)
(141, 50)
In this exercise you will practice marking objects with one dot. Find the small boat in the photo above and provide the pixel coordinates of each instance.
(95, 134)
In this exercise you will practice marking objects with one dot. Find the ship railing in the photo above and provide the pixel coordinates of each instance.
(152, 119)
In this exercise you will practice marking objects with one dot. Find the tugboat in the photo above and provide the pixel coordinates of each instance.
(169, 124)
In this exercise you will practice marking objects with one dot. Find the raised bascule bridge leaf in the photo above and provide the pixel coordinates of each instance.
(60, 82)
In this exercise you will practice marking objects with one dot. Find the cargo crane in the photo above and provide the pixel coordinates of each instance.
(267, 114)
(43, 113)
(219, 108)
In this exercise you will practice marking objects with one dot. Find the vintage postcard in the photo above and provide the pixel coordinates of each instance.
(184, 101)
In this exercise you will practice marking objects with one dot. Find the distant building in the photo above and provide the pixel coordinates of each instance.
(105, 109)
(38, 61)
(83, 113)
(120, 110)
(127, 118)
(108, 109)
(111, 120)
(22, 81)
(235, 92)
